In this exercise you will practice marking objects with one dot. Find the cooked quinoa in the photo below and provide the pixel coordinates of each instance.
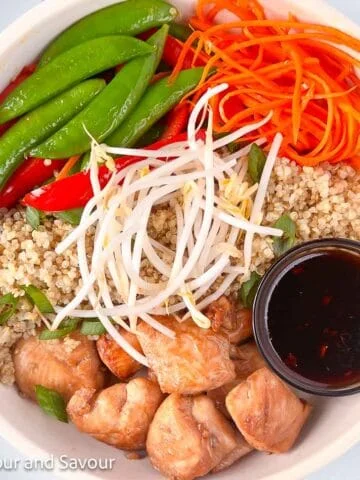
(323, 201)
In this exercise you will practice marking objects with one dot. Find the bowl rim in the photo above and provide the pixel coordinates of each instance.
(24, 26)
(318, 459)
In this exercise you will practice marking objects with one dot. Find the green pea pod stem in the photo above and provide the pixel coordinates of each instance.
(109, 109)
(41, 123)
(159, 98)
(70, 68)
(126, 18)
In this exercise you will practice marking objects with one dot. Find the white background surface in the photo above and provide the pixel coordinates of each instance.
(346, 468)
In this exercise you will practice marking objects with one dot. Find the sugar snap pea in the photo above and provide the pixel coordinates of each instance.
(159, 98)
(68, 69)
(180, 31)
(41, 123)
(109, 109)
(151, 136)
(126, 18)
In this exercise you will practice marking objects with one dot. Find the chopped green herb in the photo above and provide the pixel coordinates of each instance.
(288, 226)
(51, 402)
(71, 216)
(8, 304)
(33, 217)
(38, 298)
(257, 159)
(92, 327)
(248, 290)
(231, 147)
(67, 326)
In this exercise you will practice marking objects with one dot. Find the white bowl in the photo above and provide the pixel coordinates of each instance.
(335, 424)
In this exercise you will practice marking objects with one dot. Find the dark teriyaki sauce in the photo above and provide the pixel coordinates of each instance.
(313, 318)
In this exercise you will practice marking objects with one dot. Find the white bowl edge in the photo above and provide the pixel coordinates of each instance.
(25, 38)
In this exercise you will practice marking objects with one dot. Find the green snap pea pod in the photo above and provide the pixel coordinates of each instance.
(109, 109)
(152, 135)
(157, 101)
(41, 123)
(126, 18)
(70, 68)
(85, 161)
(180, 31)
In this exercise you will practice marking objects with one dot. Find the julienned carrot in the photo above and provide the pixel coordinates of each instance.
(298, 70)
(172, 50)
(65, 171)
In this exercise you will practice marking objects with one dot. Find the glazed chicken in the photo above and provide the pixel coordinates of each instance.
(231, 319)
(64, 365)
(115, 358)
(195, 361)
(119, 415)
(246, 359)
(189, 437)
(267, 413)
(242, 448)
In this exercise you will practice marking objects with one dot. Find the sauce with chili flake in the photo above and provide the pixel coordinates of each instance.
(313, 318)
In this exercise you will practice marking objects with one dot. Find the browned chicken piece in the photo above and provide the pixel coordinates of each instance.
(195, 361)
(150, 374)
(62, 365)
(120, 363)
(267, 412)
(247, 359)
(189, 437)
(119, 415)
(242, 449)
(228, 317)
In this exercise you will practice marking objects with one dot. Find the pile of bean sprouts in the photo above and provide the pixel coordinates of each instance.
(213, 204)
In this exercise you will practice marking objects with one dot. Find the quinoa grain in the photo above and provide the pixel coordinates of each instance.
(323, 201)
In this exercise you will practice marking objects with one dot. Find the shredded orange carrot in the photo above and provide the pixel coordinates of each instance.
(64, 172)
(307, 74)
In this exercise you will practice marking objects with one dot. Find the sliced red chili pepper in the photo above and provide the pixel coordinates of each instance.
(232, 106)
(176, 121)
(75, 191)
(172, 50)
(158, 76)
(23, 75)
(31, 173)
(146, 35)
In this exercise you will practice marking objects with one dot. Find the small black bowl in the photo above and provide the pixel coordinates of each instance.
(264, 294)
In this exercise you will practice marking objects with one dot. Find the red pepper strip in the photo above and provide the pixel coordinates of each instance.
(176, 121)
(158, 76)
(31, 173)
(355, 162)
(23, 75)
(146, 35)
(71, 192)
(172, 50)
(75, 191)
